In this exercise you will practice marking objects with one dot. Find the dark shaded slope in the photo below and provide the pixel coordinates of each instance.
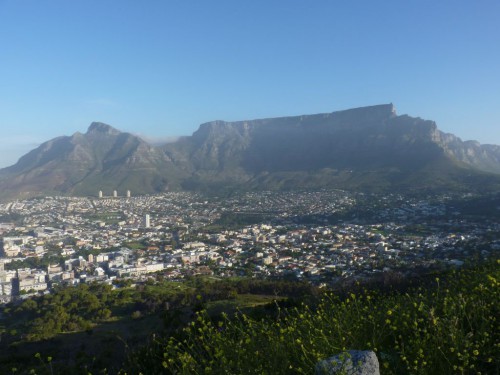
(368, 148)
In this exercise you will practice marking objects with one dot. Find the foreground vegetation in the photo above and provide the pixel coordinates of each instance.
(447, 325)
(92, 327)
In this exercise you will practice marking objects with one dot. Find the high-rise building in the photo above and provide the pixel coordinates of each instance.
(128, 193)
(115, 193)
(147, 221)
(100, 193)
(3, 274)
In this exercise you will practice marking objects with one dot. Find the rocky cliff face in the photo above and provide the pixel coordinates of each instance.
(362, 148)
(358, 148)
(357, 137)
(483, 157)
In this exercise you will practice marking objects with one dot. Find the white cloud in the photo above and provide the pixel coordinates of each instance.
(156, 141)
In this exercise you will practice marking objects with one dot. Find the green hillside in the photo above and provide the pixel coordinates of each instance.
(445, 325)
(440, 323)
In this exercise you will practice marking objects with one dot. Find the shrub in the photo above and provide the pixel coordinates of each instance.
(449, 327)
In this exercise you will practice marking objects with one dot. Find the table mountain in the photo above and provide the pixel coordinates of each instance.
(363, 148)
(369, 148)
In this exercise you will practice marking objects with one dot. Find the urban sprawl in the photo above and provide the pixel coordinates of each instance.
(323, 237)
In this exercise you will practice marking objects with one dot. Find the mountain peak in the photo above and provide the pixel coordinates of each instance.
(102, 128)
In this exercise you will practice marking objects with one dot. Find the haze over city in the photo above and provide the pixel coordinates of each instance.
(162, 68)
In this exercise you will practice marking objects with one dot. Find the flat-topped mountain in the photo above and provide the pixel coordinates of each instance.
(368, 148)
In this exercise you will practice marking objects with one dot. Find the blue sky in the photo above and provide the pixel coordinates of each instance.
(161, 68)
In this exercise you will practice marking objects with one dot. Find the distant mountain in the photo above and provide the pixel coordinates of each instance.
(369, 148)
(101, 159)
(363, 148)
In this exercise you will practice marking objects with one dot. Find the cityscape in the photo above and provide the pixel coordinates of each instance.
(249, 188)
(322, 237)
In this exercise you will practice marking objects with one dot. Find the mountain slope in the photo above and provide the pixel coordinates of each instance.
(483, 157)
(101, 159)
(369, 148)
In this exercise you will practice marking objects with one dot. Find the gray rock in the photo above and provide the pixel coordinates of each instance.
(353, 362)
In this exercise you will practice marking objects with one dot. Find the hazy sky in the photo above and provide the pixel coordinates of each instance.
(160, 68)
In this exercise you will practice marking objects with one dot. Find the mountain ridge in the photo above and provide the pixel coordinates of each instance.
(361, 148)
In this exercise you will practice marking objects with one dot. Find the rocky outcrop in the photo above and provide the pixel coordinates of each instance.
(483, 157)
(353, 362)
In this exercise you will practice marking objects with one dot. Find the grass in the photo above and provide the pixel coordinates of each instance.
(446, 326)
(242, 302)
